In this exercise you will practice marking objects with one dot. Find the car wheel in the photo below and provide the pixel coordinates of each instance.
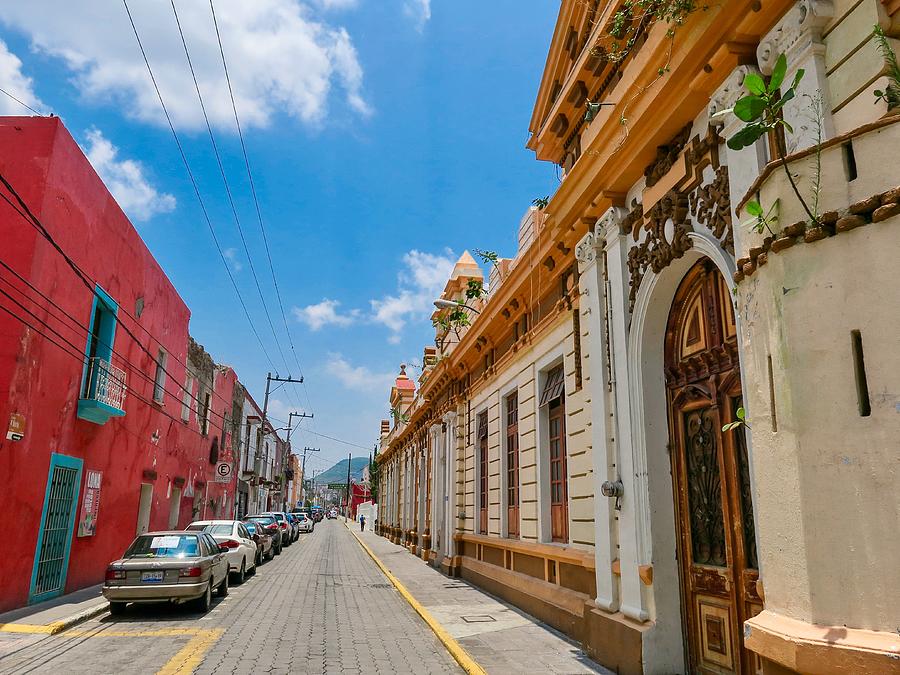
(223, 587)
(204, 602)
(278, 550)
(117, 608)
(271, 553)
(242, 574)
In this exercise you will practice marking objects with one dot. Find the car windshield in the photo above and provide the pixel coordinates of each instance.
(301, 516)
(219, 528)
(251, 526)
(278, 516)
(164, 546)
(262, 520)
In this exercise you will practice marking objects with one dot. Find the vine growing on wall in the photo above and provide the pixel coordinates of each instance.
(632, 20)
(458, 317)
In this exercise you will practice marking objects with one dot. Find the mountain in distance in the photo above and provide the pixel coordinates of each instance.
(338, 473)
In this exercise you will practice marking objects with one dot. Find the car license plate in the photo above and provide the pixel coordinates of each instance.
(152, 577)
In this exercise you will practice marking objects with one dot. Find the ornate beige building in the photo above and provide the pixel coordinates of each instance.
(566, 450)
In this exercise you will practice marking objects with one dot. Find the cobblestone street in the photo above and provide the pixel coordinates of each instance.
(321, 607)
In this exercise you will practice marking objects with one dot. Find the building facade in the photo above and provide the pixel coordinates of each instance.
(117, 420)
(581, 448)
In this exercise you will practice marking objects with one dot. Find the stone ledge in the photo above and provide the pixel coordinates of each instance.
(812, 649)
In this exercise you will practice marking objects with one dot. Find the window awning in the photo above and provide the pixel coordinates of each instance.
(555, 385)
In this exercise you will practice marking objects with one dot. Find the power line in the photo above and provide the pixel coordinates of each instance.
(338, 440)
(215, 147)
(131, 366)
(26, 213)
(190, 174)
(21, 102)
(259, 217)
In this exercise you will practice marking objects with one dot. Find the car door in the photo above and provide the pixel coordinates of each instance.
(218, 559)
(248, 546)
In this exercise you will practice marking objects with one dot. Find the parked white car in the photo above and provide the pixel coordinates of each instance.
(234, 536)
(305, 522)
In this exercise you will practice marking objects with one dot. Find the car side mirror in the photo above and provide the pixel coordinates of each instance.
(223, 548)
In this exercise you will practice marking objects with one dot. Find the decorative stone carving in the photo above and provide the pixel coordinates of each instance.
(611, 221)
(800, 27)
(711, 205)
(666, 156)
(656, 251)
(728, 93)
(584, 251)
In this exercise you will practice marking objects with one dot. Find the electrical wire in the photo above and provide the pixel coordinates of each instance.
(237, 220)
(26, 213)
(193, 181)
(21, 102)
(259, 217)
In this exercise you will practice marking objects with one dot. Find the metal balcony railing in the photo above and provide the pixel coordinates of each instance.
(106, 384)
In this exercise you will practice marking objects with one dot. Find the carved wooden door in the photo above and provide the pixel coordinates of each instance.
(717, 541)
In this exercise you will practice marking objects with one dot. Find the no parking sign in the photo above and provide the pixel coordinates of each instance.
(223, 472)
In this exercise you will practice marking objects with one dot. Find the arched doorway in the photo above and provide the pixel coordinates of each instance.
(710, 470)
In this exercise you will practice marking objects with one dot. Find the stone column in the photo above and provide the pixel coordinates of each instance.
(593, 317)
(799, 36)
(634, 516)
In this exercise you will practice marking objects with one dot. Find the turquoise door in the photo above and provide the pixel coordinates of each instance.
(51, 559)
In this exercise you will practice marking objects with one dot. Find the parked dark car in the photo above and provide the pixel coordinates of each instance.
(295, 524)
(270, 525)
(265, 549)
(168, 567)
(287, 530)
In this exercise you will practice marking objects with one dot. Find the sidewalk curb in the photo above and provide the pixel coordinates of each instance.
(56, 626)
(462, 657)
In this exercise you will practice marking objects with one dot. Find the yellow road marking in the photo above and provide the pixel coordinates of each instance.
(463, 658)
(190, 656)
(49, 629)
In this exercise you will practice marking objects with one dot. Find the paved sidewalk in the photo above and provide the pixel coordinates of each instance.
(500, 637)
(57, 614)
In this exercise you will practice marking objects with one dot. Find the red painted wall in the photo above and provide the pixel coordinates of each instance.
(42, 161)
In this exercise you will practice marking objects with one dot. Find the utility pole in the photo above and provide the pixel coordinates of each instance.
(349, 463)
(303, 471)
(287, 457)
(269, 381)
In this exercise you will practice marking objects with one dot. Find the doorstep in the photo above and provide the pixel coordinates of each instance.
(56, 615)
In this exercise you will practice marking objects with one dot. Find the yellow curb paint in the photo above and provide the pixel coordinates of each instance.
(456, 650)
(27, 628)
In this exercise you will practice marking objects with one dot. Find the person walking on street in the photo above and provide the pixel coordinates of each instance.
(362, 523)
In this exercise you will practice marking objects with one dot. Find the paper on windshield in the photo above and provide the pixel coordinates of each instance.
(165, 542)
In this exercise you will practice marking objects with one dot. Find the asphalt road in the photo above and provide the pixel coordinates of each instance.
(322, 606)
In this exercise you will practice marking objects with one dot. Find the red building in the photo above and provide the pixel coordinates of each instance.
(359, 493)
(117, 420)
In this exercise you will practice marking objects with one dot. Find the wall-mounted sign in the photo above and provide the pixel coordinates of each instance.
(90, 505)
(16, 431)
(223, 472)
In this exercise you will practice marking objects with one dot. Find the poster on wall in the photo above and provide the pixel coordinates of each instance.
(90, 506)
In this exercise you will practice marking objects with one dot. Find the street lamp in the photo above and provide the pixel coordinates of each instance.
(440, 303)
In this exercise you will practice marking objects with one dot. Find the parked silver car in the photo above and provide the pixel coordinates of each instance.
(173, 566)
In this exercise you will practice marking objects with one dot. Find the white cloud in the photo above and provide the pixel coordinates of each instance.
(419, 283)
(324, 313)
(17, 84)
(231, 256)
(419, 11)
(125, 179)
(359, 378)
(281, 59)
(329, 5)
(279, 410)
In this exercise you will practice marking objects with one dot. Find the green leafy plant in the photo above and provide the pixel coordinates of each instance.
(399, 417)
(761, 220)
(740, 413)
(761, 111)
(541, 202)
(474, 289)
(891, 93)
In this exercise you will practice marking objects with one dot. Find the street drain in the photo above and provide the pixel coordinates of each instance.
(381, 586)
(478, 618)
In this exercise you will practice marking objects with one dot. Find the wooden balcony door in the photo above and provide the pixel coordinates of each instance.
(482, 474)
(717, 541)
(512, 465)
(559, 473)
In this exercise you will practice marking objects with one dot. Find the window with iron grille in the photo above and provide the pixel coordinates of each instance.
(483, 468)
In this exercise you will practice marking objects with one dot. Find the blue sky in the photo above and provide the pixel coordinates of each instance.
(386, 136)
